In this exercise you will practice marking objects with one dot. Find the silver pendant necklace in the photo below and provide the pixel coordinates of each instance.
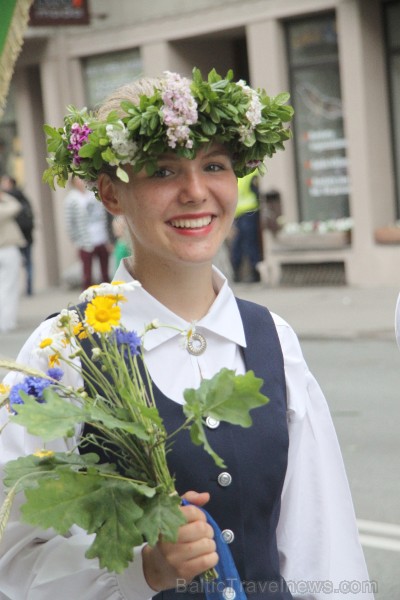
(197, 344)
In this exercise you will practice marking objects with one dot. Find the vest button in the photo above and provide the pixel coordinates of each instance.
(224, 479)
(212, 423)
(228, 536)
(229, 593)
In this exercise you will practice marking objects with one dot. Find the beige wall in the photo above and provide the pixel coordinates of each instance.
(177, 34)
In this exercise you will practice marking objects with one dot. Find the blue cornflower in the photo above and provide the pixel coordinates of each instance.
(55, 373)
(34, 386)
(128, 339)
(14, 396)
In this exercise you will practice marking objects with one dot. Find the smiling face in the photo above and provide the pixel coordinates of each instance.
(182, 213)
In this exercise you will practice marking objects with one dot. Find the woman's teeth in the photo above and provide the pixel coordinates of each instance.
(191, 223)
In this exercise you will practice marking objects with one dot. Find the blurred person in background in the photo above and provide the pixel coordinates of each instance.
(122, 245)
(87, 227)
(25, 220)
(11, 240)
(245, 245)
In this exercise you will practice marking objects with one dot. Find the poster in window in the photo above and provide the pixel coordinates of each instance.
(321, 144)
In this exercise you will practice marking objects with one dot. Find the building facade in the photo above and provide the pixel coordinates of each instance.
(340, 60)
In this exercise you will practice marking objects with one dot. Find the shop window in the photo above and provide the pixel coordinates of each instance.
(320, 144)
(392, 26)
(106, 72)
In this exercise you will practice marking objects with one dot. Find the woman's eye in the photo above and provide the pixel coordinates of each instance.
(162, 172)
(214, 167)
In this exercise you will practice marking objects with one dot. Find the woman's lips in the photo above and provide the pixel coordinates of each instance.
(192, 225)
(191, 222)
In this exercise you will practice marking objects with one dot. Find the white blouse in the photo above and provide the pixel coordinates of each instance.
(317, 535)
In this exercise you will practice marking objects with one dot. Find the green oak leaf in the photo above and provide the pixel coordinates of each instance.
(30, 468)
(198, 437)
(52, 419)
(226, 397)
(118, 533)
(96, 414)
(91, 501)
(161, 517)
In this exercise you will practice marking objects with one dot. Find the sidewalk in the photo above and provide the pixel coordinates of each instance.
(313, 312)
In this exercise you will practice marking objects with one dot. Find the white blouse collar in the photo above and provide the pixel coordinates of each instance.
(223, 318)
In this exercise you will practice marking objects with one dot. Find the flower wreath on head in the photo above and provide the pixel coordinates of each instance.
(180, 116)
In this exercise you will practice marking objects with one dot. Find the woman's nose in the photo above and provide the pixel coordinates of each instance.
(193, 188)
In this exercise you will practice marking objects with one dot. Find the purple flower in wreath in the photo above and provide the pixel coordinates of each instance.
(253, 164)
(78, 136)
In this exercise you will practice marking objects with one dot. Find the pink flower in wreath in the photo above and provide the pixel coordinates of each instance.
(79, 136)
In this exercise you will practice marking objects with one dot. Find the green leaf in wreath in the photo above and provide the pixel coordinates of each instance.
(161, 517)
(122, 175)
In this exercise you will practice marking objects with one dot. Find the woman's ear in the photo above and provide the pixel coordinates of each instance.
(109, 194)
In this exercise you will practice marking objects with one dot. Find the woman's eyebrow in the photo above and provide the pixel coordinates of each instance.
(220, 152)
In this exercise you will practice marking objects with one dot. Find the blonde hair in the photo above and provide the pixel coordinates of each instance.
(130, 92)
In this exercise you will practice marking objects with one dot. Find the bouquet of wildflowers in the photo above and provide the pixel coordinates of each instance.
(132, 498)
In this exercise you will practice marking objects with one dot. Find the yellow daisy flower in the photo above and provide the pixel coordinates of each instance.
(117, 298)
(45, 343)
(54, 359)
(43, 453)
(80, 332)
(102, 314)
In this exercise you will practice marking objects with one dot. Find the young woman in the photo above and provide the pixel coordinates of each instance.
(283, 502)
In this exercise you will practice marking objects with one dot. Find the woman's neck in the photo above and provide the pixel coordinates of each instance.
(187, 290)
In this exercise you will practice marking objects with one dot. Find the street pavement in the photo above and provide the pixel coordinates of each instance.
(314, 312)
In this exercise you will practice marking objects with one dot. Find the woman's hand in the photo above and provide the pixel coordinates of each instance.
(193, 553)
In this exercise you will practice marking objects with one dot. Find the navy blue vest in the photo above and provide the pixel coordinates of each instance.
(256, 460)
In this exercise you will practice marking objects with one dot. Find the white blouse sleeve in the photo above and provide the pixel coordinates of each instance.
(320, 553)
(36, 564)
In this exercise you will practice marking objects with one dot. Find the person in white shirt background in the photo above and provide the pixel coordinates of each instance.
(178, 215)
(11, 240)
(86, 224)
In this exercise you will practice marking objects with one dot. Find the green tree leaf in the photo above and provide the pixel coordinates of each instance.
(98, 505)
(30, 468)
(96, 414)
(198, 437)
(52, 419)
(161, 517)
(226, 397)
(118, 533)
